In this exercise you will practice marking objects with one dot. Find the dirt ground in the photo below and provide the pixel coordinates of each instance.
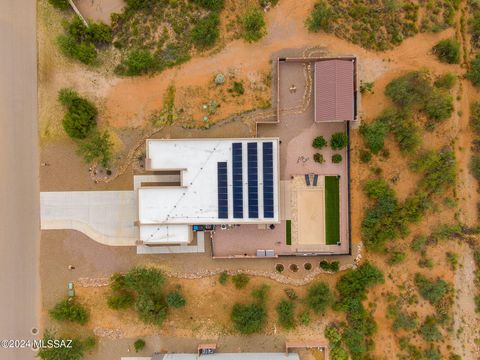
(126, 105)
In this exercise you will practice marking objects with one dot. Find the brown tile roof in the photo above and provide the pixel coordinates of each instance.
(334, 90)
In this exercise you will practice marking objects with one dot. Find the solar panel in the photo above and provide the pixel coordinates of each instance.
(268, 211)
(237, 180)
(222, 190)
(252, 180)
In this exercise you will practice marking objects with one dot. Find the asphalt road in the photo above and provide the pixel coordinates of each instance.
(19, 175)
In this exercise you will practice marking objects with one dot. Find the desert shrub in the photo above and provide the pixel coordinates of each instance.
(139, 345)
(431, 290)
(336, 158)
(334, 337)
(446, 81)
(475, 28)
(96, 33)
(84, 52)
(473, 74)
(248, 319)
(319, 297)
(69, 310)
(407, 135)
(145, 280)
(475, 116)
(411, 89)
(205, 32)
(419, 243)
(425, 262)
(452, 258)
(176, 300)
(374, 135)
(60, 4)
(448, 51)
(318, 158)
(338, 141)
(214, 5)
(396, 257)
(78, 347)
(97, 147)
(137, 62)
(304, 318)
(365, 156)
(322, 18)
(121, 299)
(475, 166)
(240, 280)
(438, 168)
(319, 142)
(333, 266)
(286, 314)
(291, 294)
(237, 88)
(223, 278)
(366, 87)
(260, 293)
(429, 329)
(81, 115)
(253, 25)
(404, 321)
(151, 308)
(439, 106)
(139, 4)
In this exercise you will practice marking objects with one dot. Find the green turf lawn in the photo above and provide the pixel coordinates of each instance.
(332, 210)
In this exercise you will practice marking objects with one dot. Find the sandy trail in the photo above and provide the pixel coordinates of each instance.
(465, 319)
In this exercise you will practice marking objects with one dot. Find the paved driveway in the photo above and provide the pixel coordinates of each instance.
(19, 175)
(107, 217)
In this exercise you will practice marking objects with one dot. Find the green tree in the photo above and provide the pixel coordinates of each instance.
(338, 141)
(81, 115)
(336, 158)
(439, 106)
(145, 280)
(248, 319)
(176, 300)
(319, 142)
(206, 32)
(286, 314)
(374, 135)
(253, 25)
(137, 62)
(321, 18)
(69, 310)
(448, 51)
(410, 89)
(152, 308)
(78, 348)
(85, 52)
(96, 147)
(319, 297)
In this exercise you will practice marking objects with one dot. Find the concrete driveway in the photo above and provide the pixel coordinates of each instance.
(107, 217)
(19, 176)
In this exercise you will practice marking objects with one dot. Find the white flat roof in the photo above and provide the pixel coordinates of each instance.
(165, 234)
(196, 201)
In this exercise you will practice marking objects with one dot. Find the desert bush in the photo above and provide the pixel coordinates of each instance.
(333, 266)
(431, 290)
(354, 284)
(248, 319)
(409, 90)
(145, 280)
(137, 62)
(438, 168)
(237, 88)
(419, 243)
(139, 345)
(81, 115)
(121, 299)
(319, 297)
(336, 158)
(286, 314)
(260, 293)
(223, 278)
(151, 308)
(214, 5)
(175, 299)
(448, 51)
(97, 147)
(60, 4)
(475, 29)
(322, 18)
(319, 142)
(96, 33)
(365, 156)
(338, 141)
(475, 166)
(475, 116)
(84, 52)
(318, 158)
(206, 31)
(240, 280)
(291, 294)
(439, 106)
(396, 257)
(366, 87)
(407, 135)
(334, 337)
(253, 25)
(473, 74)
(304, 318)
(77, 349)
(374, 135)
(69, 310)
(446, 81)
(429, 329)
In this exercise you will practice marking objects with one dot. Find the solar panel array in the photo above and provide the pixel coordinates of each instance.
(237, 177)
(222, 190)
(252, 180)
(268, 180)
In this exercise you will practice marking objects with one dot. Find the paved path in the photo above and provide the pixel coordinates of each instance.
(19, 183)
(107, 217)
